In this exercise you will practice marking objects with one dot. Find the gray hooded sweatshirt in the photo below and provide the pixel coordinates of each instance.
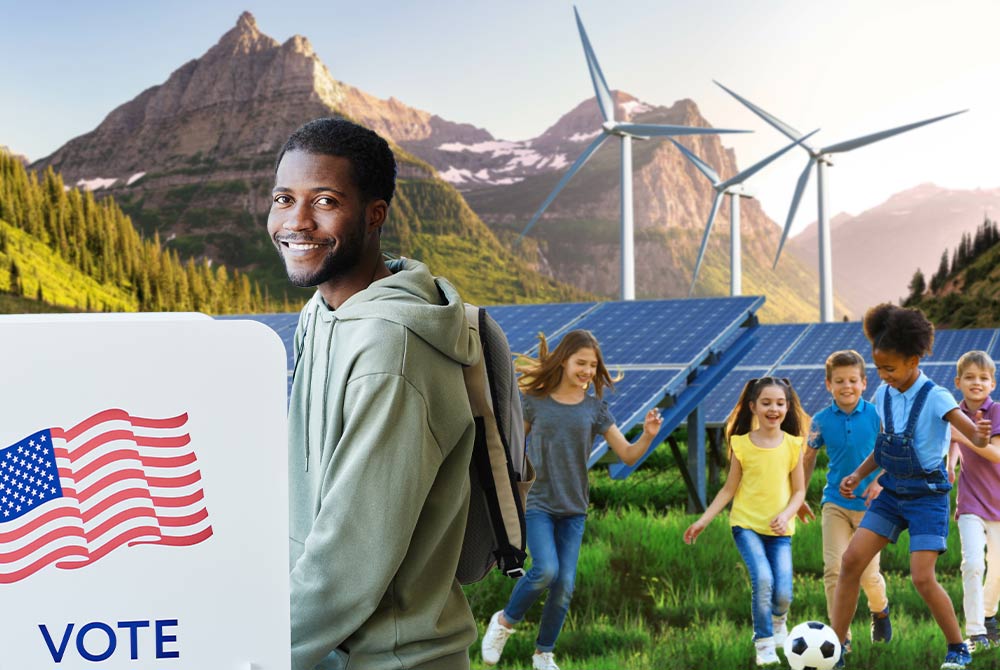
(380, 437)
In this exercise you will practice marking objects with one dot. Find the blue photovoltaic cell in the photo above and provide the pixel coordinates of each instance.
(810, 385)
(663, 332)
(943, 375)
(721, 400)
(637, 389)
(522, 323)
(825, 338)
(949, 345)
(771, 344)
(995, 348)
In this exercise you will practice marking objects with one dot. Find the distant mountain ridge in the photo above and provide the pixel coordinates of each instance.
(193, 159)
(906, 232)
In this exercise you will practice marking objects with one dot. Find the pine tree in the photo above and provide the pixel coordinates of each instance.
(940, 277)
(917, 288)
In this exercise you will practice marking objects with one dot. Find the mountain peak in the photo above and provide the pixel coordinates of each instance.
(247, 23)
(244, 37)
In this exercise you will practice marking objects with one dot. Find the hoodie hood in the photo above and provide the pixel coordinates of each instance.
(411, 296)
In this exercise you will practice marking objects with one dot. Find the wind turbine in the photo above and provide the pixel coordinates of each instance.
(625, 132)
(734, 188)
(822, 159)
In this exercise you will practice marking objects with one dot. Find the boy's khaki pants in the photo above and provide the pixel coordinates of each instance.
(839, 525)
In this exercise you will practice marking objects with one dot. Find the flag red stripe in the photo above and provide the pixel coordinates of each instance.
(40, 541)
(60, 553)
(81, 450)
(118, 415)
(113, 478)
(169, 461)
(182, 521)
(181, 501)
(175, 482)
(101, 461)
(28, 528)
(117, 541)
(169, 441)
(182, 541)
(111, 501)
(125, 515)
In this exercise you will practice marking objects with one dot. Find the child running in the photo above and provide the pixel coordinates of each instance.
(911, 449)
(765, 483)
(561, 420)
(847, 428)
(977, 507)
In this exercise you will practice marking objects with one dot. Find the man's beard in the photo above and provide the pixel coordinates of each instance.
(339, 261)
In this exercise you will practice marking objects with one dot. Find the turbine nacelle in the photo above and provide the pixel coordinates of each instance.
(821, 159)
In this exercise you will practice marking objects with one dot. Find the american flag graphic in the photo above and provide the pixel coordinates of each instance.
(70, 496)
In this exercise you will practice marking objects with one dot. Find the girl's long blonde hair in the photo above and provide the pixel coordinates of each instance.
(541, 376)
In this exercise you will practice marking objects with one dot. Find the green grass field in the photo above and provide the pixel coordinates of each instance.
(645, 600)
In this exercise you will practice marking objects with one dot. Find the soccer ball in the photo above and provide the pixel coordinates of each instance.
(812, 646)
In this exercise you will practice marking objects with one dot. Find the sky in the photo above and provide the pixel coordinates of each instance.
(514, 67)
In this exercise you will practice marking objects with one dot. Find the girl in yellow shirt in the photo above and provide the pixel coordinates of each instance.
(765, 483)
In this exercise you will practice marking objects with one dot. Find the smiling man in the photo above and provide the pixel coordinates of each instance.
(380, 430)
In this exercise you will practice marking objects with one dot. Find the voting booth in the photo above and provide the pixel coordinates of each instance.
(143, 494)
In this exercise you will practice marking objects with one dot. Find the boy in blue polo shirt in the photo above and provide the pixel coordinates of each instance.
(847, 428)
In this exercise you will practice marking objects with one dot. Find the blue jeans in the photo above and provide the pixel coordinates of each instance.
(769, 561)
(554, 545)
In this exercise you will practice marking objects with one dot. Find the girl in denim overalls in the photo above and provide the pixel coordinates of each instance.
(917, 417)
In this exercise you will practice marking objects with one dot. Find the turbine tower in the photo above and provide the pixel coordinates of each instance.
(734, 188)
(821, 158)
(625, 132)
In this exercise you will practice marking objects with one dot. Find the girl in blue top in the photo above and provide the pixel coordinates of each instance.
(561, 420)
(917, 417)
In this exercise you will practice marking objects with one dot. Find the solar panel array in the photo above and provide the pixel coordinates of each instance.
(658, 345)
(799, 351)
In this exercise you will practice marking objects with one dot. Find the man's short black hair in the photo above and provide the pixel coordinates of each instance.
(371, 159)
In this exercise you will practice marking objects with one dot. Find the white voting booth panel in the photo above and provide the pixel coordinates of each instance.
(153, 532)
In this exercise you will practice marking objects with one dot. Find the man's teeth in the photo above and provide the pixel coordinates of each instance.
(302, 246)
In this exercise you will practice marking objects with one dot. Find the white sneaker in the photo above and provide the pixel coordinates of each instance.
(766, 654)
(780, 628)
(494, 639)
(543, 661)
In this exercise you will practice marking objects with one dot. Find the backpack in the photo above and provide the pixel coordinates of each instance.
(500, 473)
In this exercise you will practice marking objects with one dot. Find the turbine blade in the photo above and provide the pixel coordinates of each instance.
(757, 167)
(799, 188)
(658, 130)
(875, 137)
(604, 99)
(577, 164)
(705, 168)
(770, 119)
(704, 239)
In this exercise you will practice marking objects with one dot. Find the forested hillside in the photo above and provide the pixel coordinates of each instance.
(61, 247)
(964, 292)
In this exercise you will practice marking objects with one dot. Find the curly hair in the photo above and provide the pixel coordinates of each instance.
(373, 165)
(541, 376)
(905, 331)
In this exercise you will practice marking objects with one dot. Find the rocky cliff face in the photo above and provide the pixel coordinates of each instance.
(192, 159)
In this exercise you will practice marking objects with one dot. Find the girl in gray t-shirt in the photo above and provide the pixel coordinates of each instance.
(561, 420)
